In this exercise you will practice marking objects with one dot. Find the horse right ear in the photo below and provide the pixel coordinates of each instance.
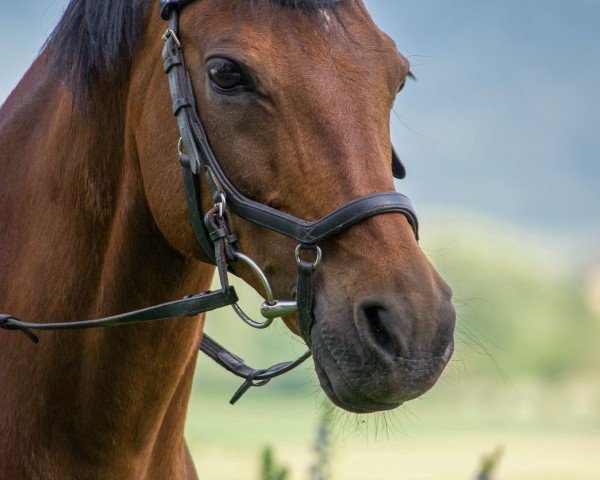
(398, 168)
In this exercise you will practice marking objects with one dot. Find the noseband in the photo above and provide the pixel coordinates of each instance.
(214, 233)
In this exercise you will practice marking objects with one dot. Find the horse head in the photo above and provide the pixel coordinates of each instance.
(296, 106)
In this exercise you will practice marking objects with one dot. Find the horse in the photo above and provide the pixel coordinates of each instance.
(295, 97)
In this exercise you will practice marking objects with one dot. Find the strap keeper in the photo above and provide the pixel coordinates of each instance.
(180, 104)
(232, 239)
(218, 234)
(184, 160)
(173, 61)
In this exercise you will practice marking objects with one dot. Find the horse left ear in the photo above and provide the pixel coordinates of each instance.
(398, 168)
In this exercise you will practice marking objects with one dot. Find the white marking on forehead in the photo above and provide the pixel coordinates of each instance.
(325, 14)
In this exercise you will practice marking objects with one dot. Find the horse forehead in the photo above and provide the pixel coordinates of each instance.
(287, 33)
(299, 53)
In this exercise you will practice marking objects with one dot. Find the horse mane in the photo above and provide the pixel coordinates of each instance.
(95, 39)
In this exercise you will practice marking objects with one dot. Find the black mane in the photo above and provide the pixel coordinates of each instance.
(95, 39)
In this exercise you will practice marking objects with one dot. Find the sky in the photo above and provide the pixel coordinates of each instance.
(502, 122)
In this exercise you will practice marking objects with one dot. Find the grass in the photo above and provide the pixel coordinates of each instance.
(548, 432)
(423, 455)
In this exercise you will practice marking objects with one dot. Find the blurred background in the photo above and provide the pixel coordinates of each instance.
(500, 137)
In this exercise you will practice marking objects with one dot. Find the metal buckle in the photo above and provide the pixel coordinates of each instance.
(171, 34)
(221, 204)
(317, 250)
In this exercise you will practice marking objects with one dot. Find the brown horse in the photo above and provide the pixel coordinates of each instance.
(93, 222)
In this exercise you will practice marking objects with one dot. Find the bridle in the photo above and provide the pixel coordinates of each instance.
(215, 235)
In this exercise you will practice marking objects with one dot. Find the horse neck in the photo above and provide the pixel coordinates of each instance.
(78, 241)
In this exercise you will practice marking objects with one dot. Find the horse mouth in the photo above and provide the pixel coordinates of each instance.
(351, 400)
(361, 389)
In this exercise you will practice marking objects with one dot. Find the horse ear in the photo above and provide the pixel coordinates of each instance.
(398, 168)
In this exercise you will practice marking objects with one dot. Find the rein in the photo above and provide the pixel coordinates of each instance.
(215, 235)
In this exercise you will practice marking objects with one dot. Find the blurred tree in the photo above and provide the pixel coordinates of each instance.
(321, 468)
(489, 464)
(269, 468)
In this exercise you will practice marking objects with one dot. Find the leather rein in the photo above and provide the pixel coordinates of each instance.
(215, 235)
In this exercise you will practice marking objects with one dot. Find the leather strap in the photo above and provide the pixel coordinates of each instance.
(304, 296)
(167, 7)
(234, 364)
(191, 184)
(313, 233)
(191, 161)
(187, 307)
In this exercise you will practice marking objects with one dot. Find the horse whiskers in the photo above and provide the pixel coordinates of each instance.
(377, 426)
(476, 341)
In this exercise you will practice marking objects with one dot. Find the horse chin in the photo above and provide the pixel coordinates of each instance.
(336, 386)
(349, 399)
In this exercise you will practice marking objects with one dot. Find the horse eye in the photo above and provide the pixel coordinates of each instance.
(410, 76)
(225, 76)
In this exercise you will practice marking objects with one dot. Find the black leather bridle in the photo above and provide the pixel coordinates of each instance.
(214, 233)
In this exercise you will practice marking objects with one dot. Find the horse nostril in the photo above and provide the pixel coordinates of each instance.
(379, 332)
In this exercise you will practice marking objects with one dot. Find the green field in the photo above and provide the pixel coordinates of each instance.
(525, 377)
(440, 437)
